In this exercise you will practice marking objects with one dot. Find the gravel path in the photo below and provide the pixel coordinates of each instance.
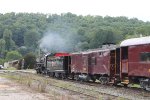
(9, 90)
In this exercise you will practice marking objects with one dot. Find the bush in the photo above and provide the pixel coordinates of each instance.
(29, 61)
(13, 55)
(2, 61)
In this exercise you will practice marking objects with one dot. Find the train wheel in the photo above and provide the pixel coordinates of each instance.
(76, 77)
(103, 80)
(145, 84)
(125, 85)
(63, 76)
(48, 74)
(146, 87)
(93, 79)
(51, 74)
(72, 76)
(57, 75)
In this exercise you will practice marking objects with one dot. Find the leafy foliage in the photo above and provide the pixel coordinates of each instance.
(29, 60)
(23, 31)
(13, 55)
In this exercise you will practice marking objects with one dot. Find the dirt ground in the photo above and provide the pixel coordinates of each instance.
(28, 86)
(9, 90)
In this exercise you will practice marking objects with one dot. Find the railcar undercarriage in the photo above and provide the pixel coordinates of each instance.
(145, 83)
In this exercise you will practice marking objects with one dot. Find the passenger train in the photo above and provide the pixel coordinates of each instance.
(125, 64)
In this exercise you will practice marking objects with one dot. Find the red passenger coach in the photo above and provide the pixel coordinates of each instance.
(135, 61)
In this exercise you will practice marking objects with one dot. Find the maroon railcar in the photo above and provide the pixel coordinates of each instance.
(99, 62)
(79, 65)
(99, 65)
(135, 61)
(92, 64)
(76, 63)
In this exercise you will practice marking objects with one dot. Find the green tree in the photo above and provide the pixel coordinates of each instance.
(2, 47)
(2, 61)
(9, 43)
(25, 29)
(102, 36)
(31, 39)
(23, 50)
(13, 55)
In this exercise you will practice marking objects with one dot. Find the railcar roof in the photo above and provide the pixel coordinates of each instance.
(92, 51)
(96, 50)
(61, 54)
(135, 41)
(58, 54)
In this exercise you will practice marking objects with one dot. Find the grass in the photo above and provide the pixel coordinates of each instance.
(135, 85)
(43, 82)
(10, 68)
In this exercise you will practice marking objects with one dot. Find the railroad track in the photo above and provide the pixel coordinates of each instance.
(76, 92)
(90, 83)
(86, 84)
(97, 85)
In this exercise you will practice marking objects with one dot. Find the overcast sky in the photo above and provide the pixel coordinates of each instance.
(130, 8)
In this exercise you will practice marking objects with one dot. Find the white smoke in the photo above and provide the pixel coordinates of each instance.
(53, 42)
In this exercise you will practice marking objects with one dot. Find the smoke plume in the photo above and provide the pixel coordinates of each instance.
(54, 42)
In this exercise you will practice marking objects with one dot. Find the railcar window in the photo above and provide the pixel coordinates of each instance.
(100, 54)
(124, 53)
(89, 60)
(84, 61)
(93, 61)
(145, 56)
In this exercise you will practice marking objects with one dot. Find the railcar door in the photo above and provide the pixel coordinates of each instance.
(124, 60)
(124, 65)
(117, 70)
(112, 64)
(85, 58)
(67, 63)
(115, 65)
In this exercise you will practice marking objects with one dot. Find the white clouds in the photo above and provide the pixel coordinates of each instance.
(130, 8)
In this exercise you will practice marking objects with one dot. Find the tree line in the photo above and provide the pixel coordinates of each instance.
(20, 33)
